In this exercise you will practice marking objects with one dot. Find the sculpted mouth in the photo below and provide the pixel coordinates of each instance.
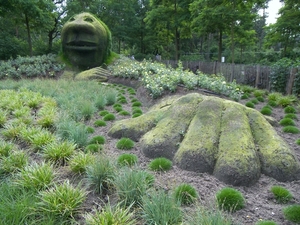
(81, 46)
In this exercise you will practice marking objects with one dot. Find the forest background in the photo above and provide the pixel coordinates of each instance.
(184, 30)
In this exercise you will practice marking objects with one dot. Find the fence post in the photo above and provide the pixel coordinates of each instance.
(257, 76)
(290, 83)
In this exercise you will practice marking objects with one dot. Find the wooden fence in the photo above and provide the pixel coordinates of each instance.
(254, 75)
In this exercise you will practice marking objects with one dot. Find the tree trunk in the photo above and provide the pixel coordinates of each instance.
(220, 46)
(28, 34)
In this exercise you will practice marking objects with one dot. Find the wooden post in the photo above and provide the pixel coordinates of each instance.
(257, 76)
(290, 83)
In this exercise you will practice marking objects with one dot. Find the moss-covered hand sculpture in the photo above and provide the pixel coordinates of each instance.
(86, 41)
(209, 134)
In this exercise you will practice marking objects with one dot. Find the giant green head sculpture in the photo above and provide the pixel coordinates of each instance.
(86, 41)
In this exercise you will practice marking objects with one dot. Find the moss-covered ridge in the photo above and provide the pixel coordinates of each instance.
(213, 135)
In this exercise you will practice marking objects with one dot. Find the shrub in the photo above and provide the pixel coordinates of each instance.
(291, 129)
(109, 117)
(127, 159)
(111, 97)
(185, 194)
(245, 96)
(125, 144)
(160, 164)
(274, 96)
(97, 140)
(137, 103)
(287, 122)
(124, 113)
(122, 101)
(59, 152)
(79, 161)
(62, 200)
(92, 148)
(86, 109)
(100, 174)
(289, 109)
(103, 112)
(291, 116)
(292, 213)
(112, 215)
(36, 176)
(250, 105)
(160, 208)
(266, 111)
(259, 93)
(131, 185)
(285, 101)
(281, 194)
(266, 222)
(100, 123)
(117, 105)
(118, 109)
(230, 199)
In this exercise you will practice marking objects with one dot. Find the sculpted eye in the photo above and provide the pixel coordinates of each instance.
(71, 19)
(88, 19)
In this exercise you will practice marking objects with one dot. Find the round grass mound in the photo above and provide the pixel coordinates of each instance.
(230, 199)
(160, 164)
(125, 144)
(281, 194)
(185, 194)
(212, 135)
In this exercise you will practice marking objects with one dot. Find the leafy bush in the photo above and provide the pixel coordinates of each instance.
(259, 93)
(127, 159)
(292, 213)
(109, 117)
(274, 96)
(279, 74)
(287, 122)
(160, 164)
(97, 140)
(281, 194)
(230, 199)
(285, 101)
(125, 144)
(291, 129)
(289, 109)
(185, 194)
(160, 208)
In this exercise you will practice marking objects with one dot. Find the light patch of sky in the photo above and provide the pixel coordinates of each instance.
(272, 10)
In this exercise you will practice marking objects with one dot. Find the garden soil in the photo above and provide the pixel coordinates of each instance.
(260, 203)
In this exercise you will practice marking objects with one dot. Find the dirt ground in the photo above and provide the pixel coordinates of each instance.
(260, 204)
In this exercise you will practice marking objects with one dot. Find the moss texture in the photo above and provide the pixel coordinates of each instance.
(209, 134)
(86, 41)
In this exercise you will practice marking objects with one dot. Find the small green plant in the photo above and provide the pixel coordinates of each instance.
(100, 123)
(109, 117)
(80, 161)
(272, 103)
(36, 176)
(292, 213)
(274, 96)
(291, 116)
(250, 105)
(298, 141)
(111, 97)
(281, 194)
(86, 109)
(259, 93)
(13, 162)
(112, 215)
(287, 122)
(100, 174)
(285, 101)
(125, 144)
(160, 208)
(6, 148)
(289, 109)
(59, 152)
(266, 222)
(122, 101)
(291, 129)
(131, 185)
(160, 164)
(230, 199)
(260, 99)
(117, 105)
(136, 115)
(127, 159)
(266, 111)
(245, 96)
(118, 109)
(124, 113)
(97, 140)
(62, 200)
(185, 194)
(255, 101)
(103, 112)
(137, 103)
(100, 102)
(90, 130)
(93, 148)
(137, 110)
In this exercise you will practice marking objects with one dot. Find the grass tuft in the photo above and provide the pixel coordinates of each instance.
(298, 141)
(287, 122)
(97, 140)
(80, 161)
(100, 123)
(160, 164)
(250, 105)
(266, 111)
(289, 109)
(291, 129)
(230, 199)
(125, 144)
(281, 194)
(292, 213)
(92, 148)
(291, 116)
(127, 159)
(109, 117)
(266, 222)
(185, 194)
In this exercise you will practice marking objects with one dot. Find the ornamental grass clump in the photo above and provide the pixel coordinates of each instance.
(272, 103)
(229, 199)
(292, 213)
(125, 144)
(287, 122)
(36, 176)
(62, 200)
(97, 140)
(93, 148)
(136, 104)
(160, 208)
(291, 129)
(100, 102)
(274, 96)
(14, 162)
(266, 111)
(266, 222)
(289, 109)
(80, 161)
(100, 175)
(124, 113)
(255, 101)
(298, 141)
(103, 112)
(291, 116)
(100, 123)
(117, 215)
(86, 109)
(160, 164)
(137, 110)
(281, 194)
(185, 194)
(90, 130)
(109, 117)
(250, 105)
(136, 115)
(111, 96)
(6, 148)
(260, 99)
(245, 96)
(127, 159)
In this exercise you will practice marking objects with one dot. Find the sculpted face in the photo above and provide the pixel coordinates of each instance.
(86, 41)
